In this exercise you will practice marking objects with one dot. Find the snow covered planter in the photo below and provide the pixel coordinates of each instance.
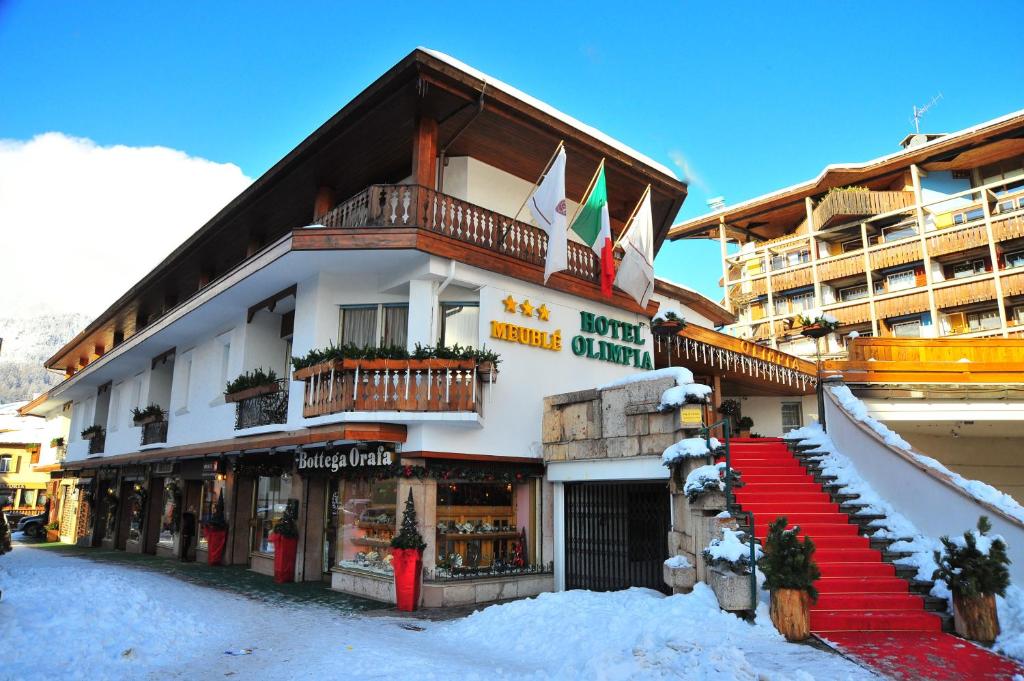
(679, 574)
(729, 569)
(407, 559)
(705, 487)
(974, 567)
(790, 573)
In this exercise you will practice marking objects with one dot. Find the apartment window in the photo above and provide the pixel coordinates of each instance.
(897, 281)
(896, 232)
(115, 406)
(225, 359)
(792, 416)
(373, 325)
(790, 258)
(460, 323)
(1018, 314)
(852, 245)
(185, 374)
(271, 501)
(853, 292)
(5, 464)
(802, 301)
(968, 268)
(910, 328)
(981, 321)
(1015, 259)
(965, 216)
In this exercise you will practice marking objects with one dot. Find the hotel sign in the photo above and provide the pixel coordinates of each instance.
(525, 335)
(628, 351)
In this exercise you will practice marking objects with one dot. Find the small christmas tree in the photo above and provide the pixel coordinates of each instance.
(787, 562)
(217, 521)
(970, 570)
(409, 536)
(286, 526)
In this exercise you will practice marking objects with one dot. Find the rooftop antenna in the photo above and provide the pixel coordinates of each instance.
(920, 112)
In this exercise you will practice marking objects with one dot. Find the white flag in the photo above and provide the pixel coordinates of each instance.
(636, 271)
(548, 207)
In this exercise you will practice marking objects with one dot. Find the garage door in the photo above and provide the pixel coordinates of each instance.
(616, 535)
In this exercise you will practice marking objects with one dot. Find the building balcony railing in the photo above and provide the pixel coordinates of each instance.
(415, 206)
(843, 206)
(431, 385)
(262, 406)
(154, 433)
(96, 444)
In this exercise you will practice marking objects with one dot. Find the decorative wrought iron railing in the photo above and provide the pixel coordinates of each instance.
(415, 206)
(97, 443)
(154, 433)
(263, 409)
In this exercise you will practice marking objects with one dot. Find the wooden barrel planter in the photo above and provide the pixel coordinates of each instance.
(975, 617)
(791, 613)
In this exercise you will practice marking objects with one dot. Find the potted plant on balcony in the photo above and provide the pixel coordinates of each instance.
(53, 532)
(151, 414)
(975, 570)
(251, 384)
(745, 424)
(92, 432)
(667, 323)
(790, 572)
(817, 324)
(487, 362)
(285, 538)
(407, 551)
(215, 529)
(57, 442)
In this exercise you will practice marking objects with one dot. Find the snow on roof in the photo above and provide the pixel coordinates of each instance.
(550, 110)
(854, 166)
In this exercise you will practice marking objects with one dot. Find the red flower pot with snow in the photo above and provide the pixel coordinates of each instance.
(216, 540)
(408, 566)
(284, 557)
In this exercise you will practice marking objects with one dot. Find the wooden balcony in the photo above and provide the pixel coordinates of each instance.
(899, 253)
(964, 294)
(839, 207)
(841, 267)
(1004, 229)
(932, 360)
(431, 385)
(414, 206)
(955, 241)
(261, 406)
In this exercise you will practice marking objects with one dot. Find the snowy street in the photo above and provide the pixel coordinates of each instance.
(86, 620)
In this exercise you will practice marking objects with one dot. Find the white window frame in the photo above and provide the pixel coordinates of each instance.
(844, 298)
(5, 463)
(378, 336)
(976, 320)
(799, 414)
(857, 245)
(886, 231)
(897, 276)
(1018, 314)
(1007, 256)
(906, 323)
(975, 267)
(185, 363)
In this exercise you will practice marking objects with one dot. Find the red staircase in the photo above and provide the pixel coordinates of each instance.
(859, 592)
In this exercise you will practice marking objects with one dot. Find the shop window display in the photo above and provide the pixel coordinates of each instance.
(136, 504)
(170, 516)
(482, 528)
(364, 518)
(211, 490)
(272, 494)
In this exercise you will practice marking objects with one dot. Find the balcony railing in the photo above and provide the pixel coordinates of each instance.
(415, 206)
(842, 206)
(268, 405)
(154, 433)
(391, 385)
(96, 444)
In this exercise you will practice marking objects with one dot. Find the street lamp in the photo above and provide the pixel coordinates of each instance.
(817, 332)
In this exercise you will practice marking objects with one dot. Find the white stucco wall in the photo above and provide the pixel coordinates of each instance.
(767, 411)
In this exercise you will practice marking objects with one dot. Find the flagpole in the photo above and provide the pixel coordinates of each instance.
(590, 186)
(547, 167)
(629, 220)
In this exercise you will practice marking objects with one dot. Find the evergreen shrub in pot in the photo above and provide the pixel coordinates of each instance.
(407, 559)
(790, 572)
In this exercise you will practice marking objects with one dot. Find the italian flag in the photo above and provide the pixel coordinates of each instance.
(594, 228)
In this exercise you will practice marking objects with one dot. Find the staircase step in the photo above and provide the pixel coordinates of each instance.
(755, 469)
(874, 620)
(750, 495)
(869, 601)
(776, 509)
(856, 570)
(864, 555)
(853, 541)
(828, 584)
(775, 478)
(798, 518)
(812, 530)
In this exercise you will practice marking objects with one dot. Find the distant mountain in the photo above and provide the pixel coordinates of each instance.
(28, 341)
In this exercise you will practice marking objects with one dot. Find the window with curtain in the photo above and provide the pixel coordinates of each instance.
(396, 325)
(460, 323)
(359, 325)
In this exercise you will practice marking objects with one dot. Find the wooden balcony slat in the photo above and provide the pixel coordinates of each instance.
(956, 241)
(901, 305)
(1013, 284)
(841, 206)
(977, 291)
(897, 254)
(854, 314)
(843, 267)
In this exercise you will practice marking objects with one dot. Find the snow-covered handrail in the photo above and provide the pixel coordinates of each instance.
(935, 500)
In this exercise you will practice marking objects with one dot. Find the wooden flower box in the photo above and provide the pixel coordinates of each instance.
(251, 392)
(145, 420)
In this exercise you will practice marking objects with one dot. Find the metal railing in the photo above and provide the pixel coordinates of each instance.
(730, 501)
(263, 410)
(154, 432)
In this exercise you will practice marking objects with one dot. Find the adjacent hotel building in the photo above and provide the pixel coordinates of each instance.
(390, 225)
(927, 242)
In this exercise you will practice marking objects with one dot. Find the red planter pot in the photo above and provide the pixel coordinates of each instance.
(216, 540)
(408, 566)
(284, 557)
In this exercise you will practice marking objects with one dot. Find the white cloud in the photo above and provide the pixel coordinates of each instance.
(81, 223)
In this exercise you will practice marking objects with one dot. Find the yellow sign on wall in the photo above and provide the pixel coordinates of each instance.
(691, 416)
(524, 335)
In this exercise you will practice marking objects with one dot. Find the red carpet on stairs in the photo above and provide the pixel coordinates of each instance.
(864, 608)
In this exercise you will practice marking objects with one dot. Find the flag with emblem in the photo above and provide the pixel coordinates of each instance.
(594, 227)
(636, 271)
(548, 207)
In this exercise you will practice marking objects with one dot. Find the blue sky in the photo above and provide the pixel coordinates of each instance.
(748, 96)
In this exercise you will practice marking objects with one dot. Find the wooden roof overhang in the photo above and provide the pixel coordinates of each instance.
(745, 368)
(705, 306)
(778, 213)
(371, 140)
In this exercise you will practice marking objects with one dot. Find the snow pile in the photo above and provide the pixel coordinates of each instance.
(976, 488)
(859, 411)
(688, 448)
(704, 479)
(1011, 623)
(688, 393)
(639, 634)
(680, 375)
(731, 551)
(663, 312)
(677, 562)
(852, 335)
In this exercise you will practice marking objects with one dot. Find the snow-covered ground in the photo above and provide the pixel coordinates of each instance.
(72, 618)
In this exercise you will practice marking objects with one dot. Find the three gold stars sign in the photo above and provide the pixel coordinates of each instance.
(525, 335)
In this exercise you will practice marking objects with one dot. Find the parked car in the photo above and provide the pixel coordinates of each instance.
(33, 526)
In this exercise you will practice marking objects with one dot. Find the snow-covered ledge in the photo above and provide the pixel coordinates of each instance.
(937, 501)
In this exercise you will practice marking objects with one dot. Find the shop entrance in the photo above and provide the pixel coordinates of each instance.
(616, 535)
